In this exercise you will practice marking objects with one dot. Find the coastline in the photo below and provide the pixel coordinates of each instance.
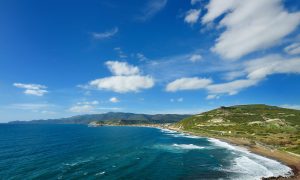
(289, 159)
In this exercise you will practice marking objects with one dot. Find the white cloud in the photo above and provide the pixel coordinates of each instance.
(257, 70)
(122, 68)
(106, 34)
(232, 87)
(250, 25)
(180, 99)
(188, 84)
(123, 84)
(253, 72)
(126, 78)
(272, 64)
(212, 96)
(32, 89)
(196, 58)
(233, 75)
(293, 49)
(192, 16)
(151, 9)
(114, 100)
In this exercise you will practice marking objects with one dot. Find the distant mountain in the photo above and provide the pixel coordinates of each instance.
(129, 118)
(270, 125)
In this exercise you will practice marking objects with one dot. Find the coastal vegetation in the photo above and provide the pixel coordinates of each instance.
(260, 124)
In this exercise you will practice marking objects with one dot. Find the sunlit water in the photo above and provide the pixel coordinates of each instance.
(80, 152)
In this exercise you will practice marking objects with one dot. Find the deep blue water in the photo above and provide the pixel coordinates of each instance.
(80, 152)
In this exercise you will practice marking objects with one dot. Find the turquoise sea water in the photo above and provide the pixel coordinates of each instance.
(80, 152)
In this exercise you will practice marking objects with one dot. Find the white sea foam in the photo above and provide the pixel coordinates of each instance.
(178, 148)
(168, 131)
(247, 165)
(185, 135)
(187, 146)
(178, 134)
(100, 173)
(226, 145)
(252, 166)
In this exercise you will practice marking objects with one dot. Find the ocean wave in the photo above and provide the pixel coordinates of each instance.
(168, 131)
(252, 166)
(77, 163)
(178, 134)
(100, 173)
(226, 145)
(187, 146)
(178, 148)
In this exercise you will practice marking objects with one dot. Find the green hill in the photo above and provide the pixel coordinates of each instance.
(268, 125)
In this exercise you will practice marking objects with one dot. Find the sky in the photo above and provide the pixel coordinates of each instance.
(65, 58)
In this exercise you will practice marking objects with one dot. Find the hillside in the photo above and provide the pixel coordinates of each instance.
(268, 125)
(129, 118)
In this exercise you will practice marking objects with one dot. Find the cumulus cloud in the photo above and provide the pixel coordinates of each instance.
(114, 100)
(249, 25)
(32, 89)
(192, 16)
(188, 84)
(293, 49)
(126, 78)
(105, 35)
(122, 68)
(123, 84)
(195, 58)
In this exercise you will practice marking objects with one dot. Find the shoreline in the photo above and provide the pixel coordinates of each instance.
(286, 158)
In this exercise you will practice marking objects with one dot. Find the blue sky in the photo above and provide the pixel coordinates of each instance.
(64, 58)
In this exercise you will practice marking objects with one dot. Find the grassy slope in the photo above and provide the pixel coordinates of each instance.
(269, 125)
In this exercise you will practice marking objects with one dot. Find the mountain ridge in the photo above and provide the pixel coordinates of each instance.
(110, 116)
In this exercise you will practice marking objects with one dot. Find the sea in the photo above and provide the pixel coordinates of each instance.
(29, 151)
